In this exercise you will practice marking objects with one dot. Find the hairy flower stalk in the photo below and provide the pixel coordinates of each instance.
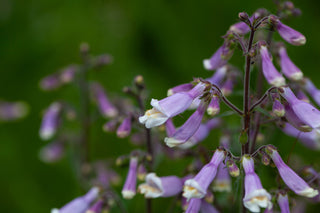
(292, 180)
(256, 196)
(80, 204)
(171, 106)
(189, 128)
(129, 188)
(197, 186)
(160, 186)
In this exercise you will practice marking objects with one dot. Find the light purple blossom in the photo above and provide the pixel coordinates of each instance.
(256, 196)
(219, 58)
(96, 207)
(313, 91)
(269, 71)
(197, 186)
(214, 106)
(307, 113)
(283, 202)
(180, 88)
(52, 152)
(287, 33)
(50, 121)
(125, 127)
(292, 180)
(293, 119)
(80, 204)
(171, 106)
(194, 205)
(129, 188)
(207, 208)
(105, 106)
(227, 86)
(160, 186)
(188, 129)
(289, 69)
(10, 111)
(218, 76)
(278, 108)
(201, 134)
(222, 182)
(309, 139)
(50, 82)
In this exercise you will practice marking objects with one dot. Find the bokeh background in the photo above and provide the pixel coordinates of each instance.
(165, 41)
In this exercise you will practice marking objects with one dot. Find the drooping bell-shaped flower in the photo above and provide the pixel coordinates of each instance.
(256, 196)
(129, 188)
(171, 106)
(283, 202)
(160, 186)
(188, 129)
(52, 152)
(110, 126)
(313, 91)
(222, 182)
(219, 58)
(201, 134)
(197, 186)
(218, 76)
(194, 205)
(105, 106)
(142, 172)
(289, 69)
(68, 74)
(287, 33)
(214, 106)
(291, 179)
(269, 71)
(293, 119)
(233, 169)
(278, 108)
(125, 127)
(80, 204)
(309, 139)
(207, 208)
(96, 207)
(50, 121)
(10, 111)
(227, 86)
(50, 82)
(179, 88)
(302, 96)
(307, 113)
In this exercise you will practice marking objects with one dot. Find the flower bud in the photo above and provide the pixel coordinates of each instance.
(234, 170)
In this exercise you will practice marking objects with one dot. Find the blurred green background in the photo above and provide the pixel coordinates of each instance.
(165, 41)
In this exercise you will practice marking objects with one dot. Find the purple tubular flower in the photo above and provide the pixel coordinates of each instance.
(96, 207)
(52, 152)
(217, 60)
(240, 28)
(214, 106)
(288, 34)
(201, 134)
(227, 87)
(294, 120)
(160, 186)
(283, 202)
(313, 91)
(269, 71)
(142, 172)
(304, 111)
(110, 126)
(129, 188)
(67, 75)
(10, 111)
(50, 82)
(256, 196)
(207, 208)
(180, 88)
(170, 128)
(188, 129)
(125, 127)
(105, 106)
(194, 206)
(309, 139)
(302, 96)
(222, 182)
(197, 186)
(278, 108)
(80, 204)
(233, 169)
(289, 69)
(171, 106)
(218, 76)
(50, 121)
(105, 176)
(292, 180)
